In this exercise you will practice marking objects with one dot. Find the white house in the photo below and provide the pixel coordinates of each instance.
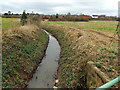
(94, 16)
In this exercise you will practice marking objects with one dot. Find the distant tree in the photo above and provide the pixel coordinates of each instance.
(28, 13)
(23, 18)
(16, 14)
(5, 13)
(118, 19)
(9, 12)
(69, 13)
(69, 17)
(56, 15)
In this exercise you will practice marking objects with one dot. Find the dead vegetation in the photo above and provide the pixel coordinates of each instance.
(27, 30)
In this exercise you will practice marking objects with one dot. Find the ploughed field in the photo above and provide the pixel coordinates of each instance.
(80, 42)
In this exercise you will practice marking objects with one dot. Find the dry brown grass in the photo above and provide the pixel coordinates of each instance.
(27, 30)
(102, 39)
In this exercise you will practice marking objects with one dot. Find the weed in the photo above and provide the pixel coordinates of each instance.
(98, 65)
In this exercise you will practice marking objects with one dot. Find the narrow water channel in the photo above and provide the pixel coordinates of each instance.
(45, 73)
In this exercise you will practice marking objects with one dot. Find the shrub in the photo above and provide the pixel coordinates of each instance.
(23, 18)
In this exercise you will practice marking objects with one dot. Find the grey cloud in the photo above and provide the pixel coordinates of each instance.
(53, 7)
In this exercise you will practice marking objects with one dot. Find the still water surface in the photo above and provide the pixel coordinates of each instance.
(45, 73)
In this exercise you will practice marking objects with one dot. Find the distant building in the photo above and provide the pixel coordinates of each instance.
(95, 16)
(102, 16)
(86, 16)
(61, 16)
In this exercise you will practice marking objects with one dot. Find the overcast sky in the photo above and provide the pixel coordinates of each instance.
(89, 7)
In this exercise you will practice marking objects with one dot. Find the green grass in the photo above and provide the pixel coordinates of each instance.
(8, 23)
(104, 26)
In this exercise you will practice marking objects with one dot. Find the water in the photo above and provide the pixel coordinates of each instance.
(45, 74)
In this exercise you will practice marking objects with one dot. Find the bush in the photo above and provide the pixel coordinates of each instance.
(23, 18)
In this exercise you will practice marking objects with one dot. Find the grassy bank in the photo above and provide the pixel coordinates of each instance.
(23, 48)
(79, 46)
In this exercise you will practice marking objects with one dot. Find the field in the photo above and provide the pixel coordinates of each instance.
(105, 26)
(81, 42)
(8, 23)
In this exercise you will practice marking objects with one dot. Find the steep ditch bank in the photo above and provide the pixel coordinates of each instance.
(23, 48)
